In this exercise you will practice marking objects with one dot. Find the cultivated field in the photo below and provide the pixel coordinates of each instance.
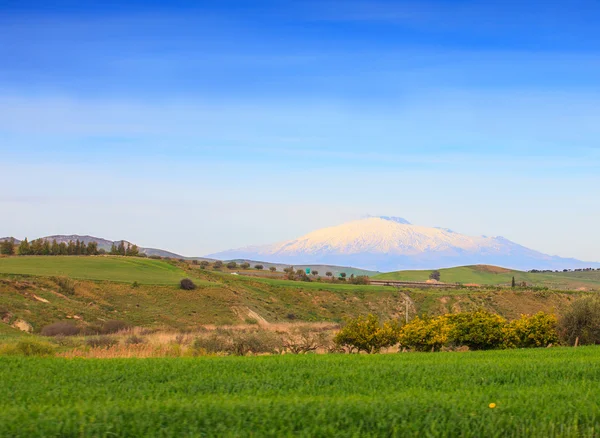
(537, 393)
(109, 268)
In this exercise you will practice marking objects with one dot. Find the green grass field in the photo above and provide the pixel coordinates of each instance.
(491, 275)
(119, 269)
(538, 393)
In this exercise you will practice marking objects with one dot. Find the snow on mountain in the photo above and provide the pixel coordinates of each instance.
(389, 243)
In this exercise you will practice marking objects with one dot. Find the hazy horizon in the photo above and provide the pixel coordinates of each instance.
(197, 129)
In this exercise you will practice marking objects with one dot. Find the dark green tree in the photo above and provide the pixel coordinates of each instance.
(8, 247)
(24, 248)
(435, 275)
(514, 283)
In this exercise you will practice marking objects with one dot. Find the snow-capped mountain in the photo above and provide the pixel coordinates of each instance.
(390, 243)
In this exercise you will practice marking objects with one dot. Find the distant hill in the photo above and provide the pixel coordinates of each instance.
(102, 244)
(390, 244)
(495, 275)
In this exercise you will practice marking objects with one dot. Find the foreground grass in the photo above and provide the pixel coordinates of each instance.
(547, 392)
(109, 268)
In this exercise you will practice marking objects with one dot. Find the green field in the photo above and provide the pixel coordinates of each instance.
(492, 275)
(538, 393)
(120, 269)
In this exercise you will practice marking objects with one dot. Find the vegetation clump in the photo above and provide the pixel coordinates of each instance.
(187, 284)
(368, 334)
(61, 328)
(580, 324)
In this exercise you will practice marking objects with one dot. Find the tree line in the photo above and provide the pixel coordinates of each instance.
(77, 247)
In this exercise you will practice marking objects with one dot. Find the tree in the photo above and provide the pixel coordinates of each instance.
(133, 250)
(55, 248)
(113, 249)
(245, 265)
(514, 283)
(121, 248)
(259, 267)
(480, 330)
(24, 248)
(63, 249)
(36, 247)
(204, 264)
(46, 249)
(343, 275)
(425, 334)
(435, 275)
(7, 247)
(231, 265)
(218, 264)
(581, 322)
(315, 273)
(92, 248)
(272, 269)
(368, 334)
(329, 274)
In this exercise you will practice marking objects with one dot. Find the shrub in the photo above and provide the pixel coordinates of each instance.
(360, 279)
(581, 322)
(262, 341)
(425, 334)
(113, 326)
(245, 265)
(272, 269)
(251, 321)
(135, 340)
(101, 342)
(368, 334)
(302, 340)
(231, 265)
(218, 264)
(214, 343)
(28, 347)
(62, 328)
(479, 330)
(534, 331)
(187, 284)
(204, 264)
(135, 285)
(65, 285)
(259, 267)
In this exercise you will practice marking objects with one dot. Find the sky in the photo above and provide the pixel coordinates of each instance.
(198, 127)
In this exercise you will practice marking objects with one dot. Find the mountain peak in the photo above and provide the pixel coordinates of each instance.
(396, 219)
(386, 243)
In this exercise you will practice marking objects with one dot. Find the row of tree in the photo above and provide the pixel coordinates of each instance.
(77, 247)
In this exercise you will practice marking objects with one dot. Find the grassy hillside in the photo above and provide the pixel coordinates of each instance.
(109, 268)
(222, 298)
(493, 275)
(536, 393)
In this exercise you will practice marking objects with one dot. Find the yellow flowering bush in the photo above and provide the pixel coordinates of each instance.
(538, 330)
(368, 334)
(425, 334)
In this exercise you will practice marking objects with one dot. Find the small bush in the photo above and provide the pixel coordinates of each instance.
(113, 326)
(253, 321)
(135, 285)
(135, 340)
(262, 341)
(212, 344)
(62, 328)
(187, 284)
(65, 285)
(101, 342)
(28, 347)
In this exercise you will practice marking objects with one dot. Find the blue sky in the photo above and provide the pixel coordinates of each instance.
(201, 126)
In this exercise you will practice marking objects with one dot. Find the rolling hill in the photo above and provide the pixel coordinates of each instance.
(494, 275)
(32, 291)
(390, 244)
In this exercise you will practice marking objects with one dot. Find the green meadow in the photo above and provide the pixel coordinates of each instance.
(536, 393)
(109, 268)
